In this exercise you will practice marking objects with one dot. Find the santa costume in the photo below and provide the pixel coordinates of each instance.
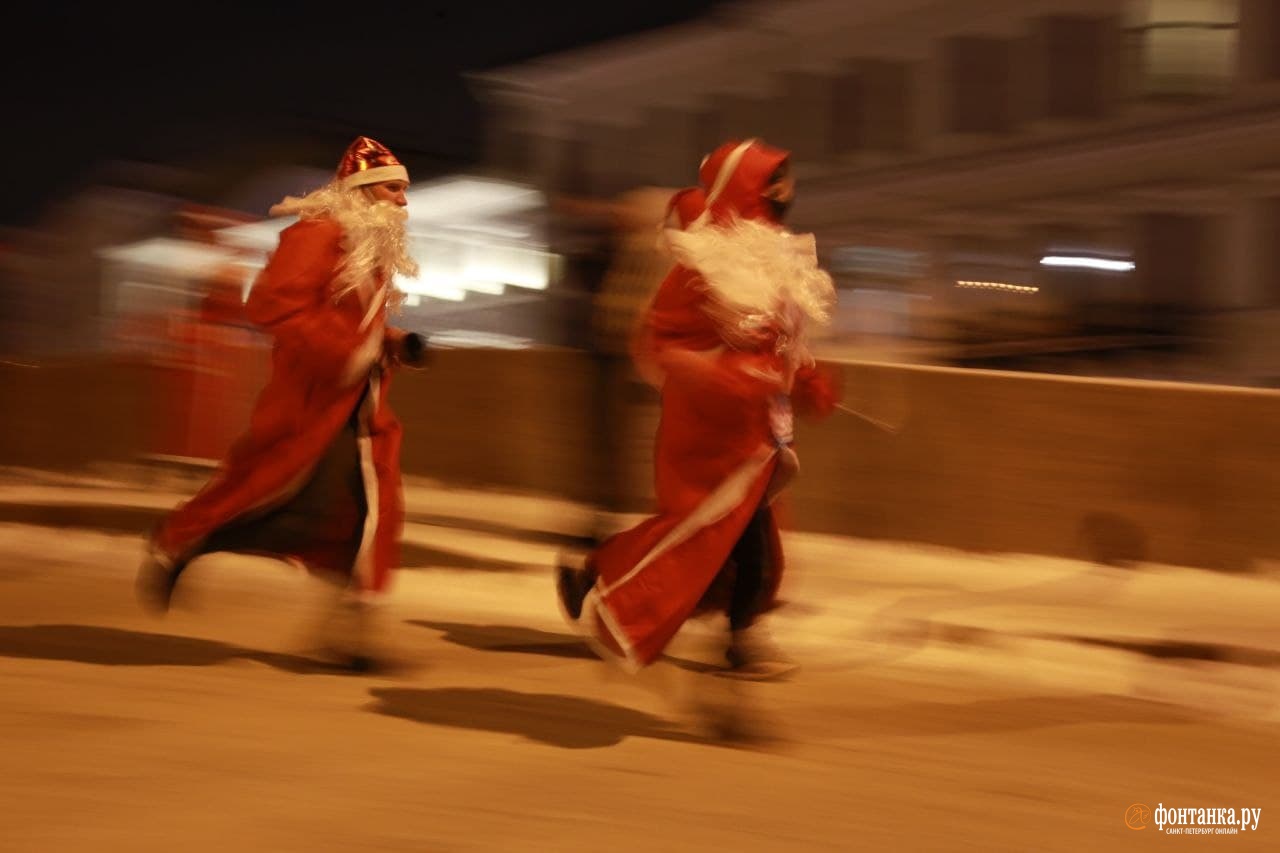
(315, 479)
(725, 341)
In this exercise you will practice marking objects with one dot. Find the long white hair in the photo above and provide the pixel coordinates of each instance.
(374, 237)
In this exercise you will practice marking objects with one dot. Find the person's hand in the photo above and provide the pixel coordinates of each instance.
(413, 350)
(401, 348)
(816, 391)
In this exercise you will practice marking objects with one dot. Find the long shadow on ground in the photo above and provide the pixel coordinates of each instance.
(93, 644)
(569, 722)
(516, 639)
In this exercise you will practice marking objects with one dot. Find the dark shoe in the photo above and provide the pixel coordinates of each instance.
(362, 664)
(346, 637)
(572, 585)
(752, 656)
(339, 659)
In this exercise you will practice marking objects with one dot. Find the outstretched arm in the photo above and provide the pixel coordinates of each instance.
(816, 391)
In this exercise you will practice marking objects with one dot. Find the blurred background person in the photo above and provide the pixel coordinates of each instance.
(636, 262)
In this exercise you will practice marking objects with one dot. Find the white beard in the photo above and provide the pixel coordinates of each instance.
(757, 275)
(373, 236)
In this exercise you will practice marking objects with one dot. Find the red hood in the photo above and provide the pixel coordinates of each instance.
(743, 183)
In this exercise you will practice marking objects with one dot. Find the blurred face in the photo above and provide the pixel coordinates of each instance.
(781, 191)
(388, 191)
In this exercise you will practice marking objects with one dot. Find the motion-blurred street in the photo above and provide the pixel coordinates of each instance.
(947, 701)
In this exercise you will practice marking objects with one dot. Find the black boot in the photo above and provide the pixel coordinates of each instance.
(572, 585)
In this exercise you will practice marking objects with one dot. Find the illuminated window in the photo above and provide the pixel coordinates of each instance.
(1181, 48)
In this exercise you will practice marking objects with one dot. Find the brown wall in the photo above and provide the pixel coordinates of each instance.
(72, 414)
(984, 460)
(1079, 468)
(514, 419)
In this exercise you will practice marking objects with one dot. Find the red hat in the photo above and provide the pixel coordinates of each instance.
(368, 161)
(735, 176)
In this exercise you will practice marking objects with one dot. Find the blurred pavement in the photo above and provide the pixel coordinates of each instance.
(1029, 616)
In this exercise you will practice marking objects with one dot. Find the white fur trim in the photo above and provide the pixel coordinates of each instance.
(727, 168)
(362, 572)
(715, 506)
(360, 361)
(375, 305)
(376, 175)
(595, 609)
(594, 616)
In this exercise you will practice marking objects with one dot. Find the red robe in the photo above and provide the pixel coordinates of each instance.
(716, 451)
(326, 356)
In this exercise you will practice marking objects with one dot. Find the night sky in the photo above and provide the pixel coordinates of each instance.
(205, 85)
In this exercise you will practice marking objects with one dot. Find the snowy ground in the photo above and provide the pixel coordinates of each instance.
(947, 702)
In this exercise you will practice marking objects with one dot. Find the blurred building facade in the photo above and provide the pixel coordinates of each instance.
(484, 278)
(1069, 185)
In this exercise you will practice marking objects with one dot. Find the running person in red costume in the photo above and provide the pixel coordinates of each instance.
(315, 479)
(725, 340)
